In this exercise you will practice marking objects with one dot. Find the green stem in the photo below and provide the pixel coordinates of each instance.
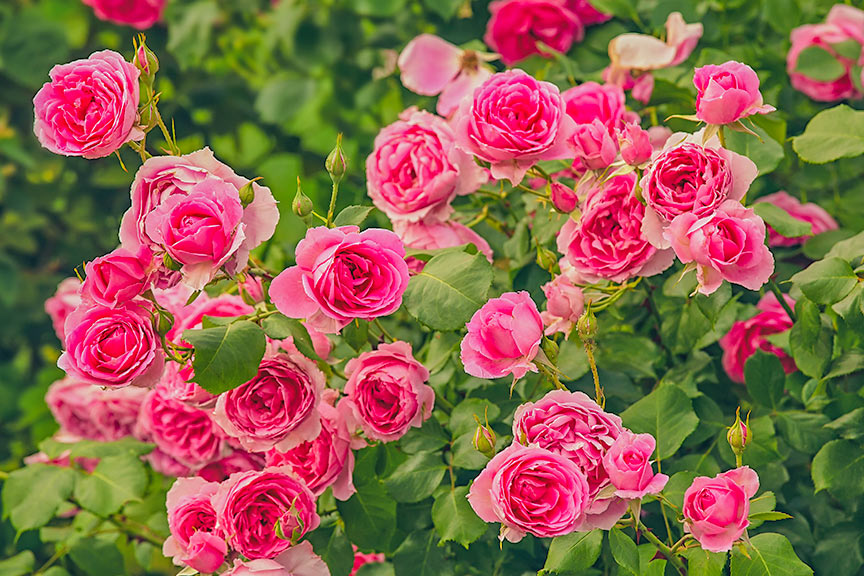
(663, 548)
(137, 530)
(332, 208)
(776, 290)
(384, 330)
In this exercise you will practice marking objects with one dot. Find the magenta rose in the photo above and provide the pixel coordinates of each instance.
(628, 464)
(195, 539)
(727, 92)
(236, 461)
(118, 277)
(530, 490)
(387, 391)
(607, 242)
(516, 28)
(503, 337)
(94, 413)
(488, 125)
(586, 12)
(564, 303)
(62, 303)
(716, 509)
(416, 170)
(591, 101)
(299, 560)
(635, 144)
(593, 146)
(139, 14)
(727, 245)
(90, 107)
(438, 235)
(361, 559)
(250, 504)
(342, 274)
(809, 212)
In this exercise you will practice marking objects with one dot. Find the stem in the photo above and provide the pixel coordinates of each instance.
(58, 553)
(165, 133)
(598, 391)
(142, 531)
(663, 548)
(739, 460)
(384, 330)
(776, 290)
(332, 208)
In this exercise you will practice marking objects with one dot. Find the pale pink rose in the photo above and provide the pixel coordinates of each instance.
(628, 464)
(745, 337)
(530, 490)
(139, 14)
(299, 560)
(387, 391)
(486, 126)
(849, 19)
(593, 146)
(659, 136)
(195, 539)
(607, 243)
(62, 303)
(503, 337)
(416, 170)
(118, 277)
(342, 274)
(808, 212)
(586, 13)
(94, 413)
(823, 36)
(716, 509)
(635, 144)
(237, 461)
(90, 107)
(681, 36)
(438, 235)
(177, 382)
(643, 87)
(592, 101)
(165, 464)
(112, 347)
(726, 245)
(516, 28)
(249, 504)
(727, 92)
(361, 559)
(564, 305)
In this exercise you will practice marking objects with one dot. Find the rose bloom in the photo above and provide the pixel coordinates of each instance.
(112, 347)
(716, 509)
(94, 413)
(236, 461)
(591, 101)
(514, 121)
(62, 303)
(342, 274)
(530, 490)
(586, 12)
(808, 212)
(503, 337)
(361, 559)
(593, 146)
(250, 504)
(628, 464)
(517, 27)
(118, 277)
(635, 144)
(299, 560)
(727, 92)
(438, 235)
(190, 317)
(565, 303)
(177, 382)
(387, 391)
(90, 107)
(607, 242)
(139, 14)
(195, 539)
(727, 245)
(415, 170)
(747, 336)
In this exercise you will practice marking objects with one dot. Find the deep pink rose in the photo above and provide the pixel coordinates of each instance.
(628, 464)
(190, 317)
(727, 92)
(195, 539)
(747, 336)
(726, 245)
(435, 236)
(607, 242)
(563, 197)
(361, 559)
(94, 413)
(503, 337)
(592, 101)
(593, 146)
(236, 461)
(62, 303)
(342, 274)
(514, 121)
(808, 212)
(112, 346)
(177, 382)
(90, 107)
(139, 14)
(416, 170)
(299, 560)
(118, 277)
(564, 304)
(387, 391)
(716, 509)
(635, 144)
(517, 28)
(165, 464)
(249, 505)
(530, 490)
(586, 12)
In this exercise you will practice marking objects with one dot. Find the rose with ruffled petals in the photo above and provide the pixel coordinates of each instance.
(299, 560)
(716, 509)
(195, 539)
(591, 101)
(119, 276)
(808, 212)
(178, 383)
(565, 303)
(236, 461)
(94, 413)
(586, 12)
(635, 144)
(64, 301)
(593, 146)
(727, 92)
(139, 14)
(628, 464)
(516, 28)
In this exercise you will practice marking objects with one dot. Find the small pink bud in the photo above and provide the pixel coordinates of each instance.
(563, 197)
(635, 144)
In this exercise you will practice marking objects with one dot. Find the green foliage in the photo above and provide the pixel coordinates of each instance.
(833, 134)
(226, 356)
(667, 414)
(573, 553)
(455, 520)
(767, 555)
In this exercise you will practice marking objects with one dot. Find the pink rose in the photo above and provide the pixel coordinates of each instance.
(516, 28)
(139, 14)
(726, 245)
(808, 212)
(90, 107)
(747, 336)
(361, 559)
(190, 317)
(435, 236)
(564, 304)
(530, 490)
(503, 337)
(299, 560)
(250, 504)
(237, 461)
(593, 146)
(635, 144)
(607, 242)
(62, 303)
(94, 413)
(112, 346)
(727, 93)
(177, 382)
(165, 464)
(342, 274)
(628, 464)
(195, 539)
(839, 28)
(563, 197)
(487, 127)
(387, 392)
(716, 509)
(118, 277)
(415, 170)
(586, 13)
(592, 101)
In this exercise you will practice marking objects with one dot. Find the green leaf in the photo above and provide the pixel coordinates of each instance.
(352, 215)
(465, 455)
(667, 414)
(431, 436)
(226, 356)
(280, 327)
(849, 426)
(770, 555)
(765, 378)
(771, 516)
(376, 569)
(462, 417)
(839, 468)
(444, 8)
(818, 64)
(624, 551)
(98, 556)
(18, 565)
(826, 281)
(705, 563)
(356, 333)
(115, 481)
(379, 8)
(451, 287)
(334, 548)
(191, 29)
(573, 553)
(849, 362)
(31, 495)
(766, 154)
(454, 519)
(832, 134)
(804, 431)
(417, 477)
(780, 220)
(369, 515)
(849, 49)
(95, 449)
(420, 555)
(811, 339)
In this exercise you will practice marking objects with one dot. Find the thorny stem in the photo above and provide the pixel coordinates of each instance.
(663, 548)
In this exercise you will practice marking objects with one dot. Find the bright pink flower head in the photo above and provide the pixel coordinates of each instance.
(62, 303)
(727, 92)
(249, 505)
(635, 144)
(118, 277)
(593, 146)
(139, 14)
(360, 559)
(726, 245)
(94, 413)
(503, 337)
(530, 490)
(517, 28)
(592, 101)
(387, 391)
(299, 560)
(438, 235)
(514, 121)
(342, 274)
(563, 197)
(628, 464)
(178, 383)
(90, 107)
(586, 13)
(236, 461)
(808, 212)
(716, 509)
(195, 539)
(564, 304)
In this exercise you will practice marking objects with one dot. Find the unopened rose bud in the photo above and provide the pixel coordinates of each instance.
(146, 61)
(586, 326)
(247, 193)
(550, 348)
(147, 114)
(739, 435)
(337, 163)
(302, 205)
(164, 321)
(484, 439)
(563, 197)
(546, 259)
